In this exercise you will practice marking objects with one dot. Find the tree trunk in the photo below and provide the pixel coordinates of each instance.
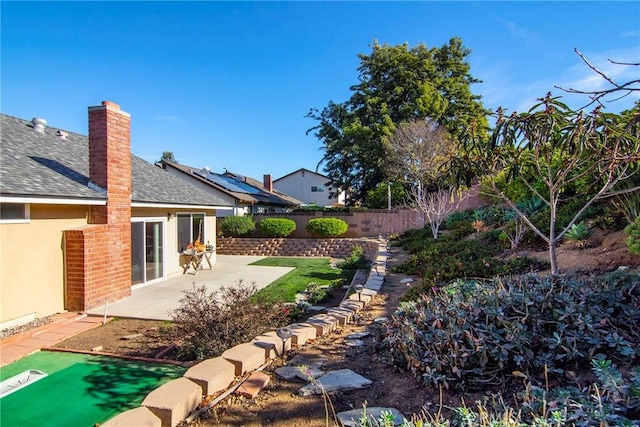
(552, 257)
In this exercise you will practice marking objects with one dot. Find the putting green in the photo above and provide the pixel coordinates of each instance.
(79, 390)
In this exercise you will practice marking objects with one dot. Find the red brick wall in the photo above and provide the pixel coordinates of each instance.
(333, 248)
(98, 256)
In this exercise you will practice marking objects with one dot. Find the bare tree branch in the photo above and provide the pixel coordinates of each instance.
(597, 95)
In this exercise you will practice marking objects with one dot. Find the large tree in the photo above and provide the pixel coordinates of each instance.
(396, 84)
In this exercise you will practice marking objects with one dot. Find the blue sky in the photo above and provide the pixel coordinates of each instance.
(227, 84)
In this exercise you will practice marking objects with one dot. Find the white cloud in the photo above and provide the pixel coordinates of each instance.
(516, 31)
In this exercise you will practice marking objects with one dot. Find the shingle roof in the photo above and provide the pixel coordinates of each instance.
(34, 164)
(262, 196)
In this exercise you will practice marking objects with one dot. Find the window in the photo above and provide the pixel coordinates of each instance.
(190, 228)
(14, 212)
(317, 189)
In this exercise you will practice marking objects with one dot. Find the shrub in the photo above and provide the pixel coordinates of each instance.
(277, 227)
(237, 226)
(471, 334)
(580, 234)
(326, 227)
(450, 258)
(355, 261)
(613, 399)
(633, 239)
(317, 293)
(455, 218)
(207, 324)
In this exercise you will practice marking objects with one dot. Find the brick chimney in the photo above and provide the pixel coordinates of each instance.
(98, 254)
(110, 162)
(268, 183)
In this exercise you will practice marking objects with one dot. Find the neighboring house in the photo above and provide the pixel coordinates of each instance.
(247, 195)
(82, 220)
(310, 187)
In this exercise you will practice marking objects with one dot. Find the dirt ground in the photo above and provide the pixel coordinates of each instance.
(279, 405)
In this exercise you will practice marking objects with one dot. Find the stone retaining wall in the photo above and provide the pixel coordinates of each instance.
(332, 248)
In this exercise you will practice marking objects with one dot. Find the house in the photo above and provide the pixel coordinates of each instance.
(310, 187)
(247, 195)
(82, 220)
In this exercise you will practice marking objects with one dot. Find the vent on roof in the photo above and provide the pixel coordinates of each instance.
(62, 134)
(206, 170)
(38, 124)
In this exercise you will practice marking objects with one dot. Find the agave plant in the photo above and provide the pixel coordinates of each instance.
(580, 233)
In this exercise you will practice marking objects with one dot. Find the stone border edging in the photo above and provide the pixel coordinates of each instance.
(174, 401)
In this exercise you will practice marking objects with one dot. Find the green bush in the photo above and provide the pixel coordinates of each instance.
(451, 258)
(455, 218)
(277, 227)
(633, 240)
(355, 261)
(326, 227)
(470, 333)
(237, 226)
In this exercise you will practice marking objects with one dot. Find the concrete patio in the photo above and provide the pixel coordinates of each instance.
(157, 300)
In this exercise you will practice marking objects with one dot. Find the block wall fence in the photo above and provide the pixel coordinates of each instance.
(368, 223)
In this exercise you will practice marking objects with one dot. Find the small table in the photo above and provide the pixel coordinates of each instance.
(196, 258)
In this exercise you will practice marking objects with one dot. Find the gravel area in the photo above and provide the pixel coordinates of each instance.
(14, 330)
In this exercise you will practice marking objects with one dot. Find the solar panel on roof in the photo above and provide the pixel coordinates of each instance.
(230, 183)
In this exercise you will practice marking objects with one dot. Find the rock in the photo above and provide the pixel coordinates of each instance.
(358, 335)
(334, 381)
(309, 360)
(354, 343)
(291, 373)
(131, 337)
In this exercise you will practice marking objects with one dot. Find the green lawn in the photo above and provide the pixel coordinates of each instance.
(307, 270)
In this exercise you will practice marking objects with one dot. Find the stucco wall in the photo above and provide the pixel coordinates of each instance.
(32, 264)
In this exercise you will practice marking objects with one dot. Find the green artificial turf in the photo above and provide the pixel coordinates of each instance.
(307, 270)
(79, 390)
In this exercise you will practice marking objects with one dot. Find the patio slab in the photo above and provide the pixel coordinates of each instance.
(157, 300)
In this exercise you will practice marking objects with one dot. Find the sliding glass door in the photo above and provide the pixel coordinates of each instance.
(147, 249)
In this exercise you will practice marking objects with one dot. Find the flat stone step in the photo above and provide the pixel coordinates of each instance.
(334, 381)
(292, 373)
(309, 360)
